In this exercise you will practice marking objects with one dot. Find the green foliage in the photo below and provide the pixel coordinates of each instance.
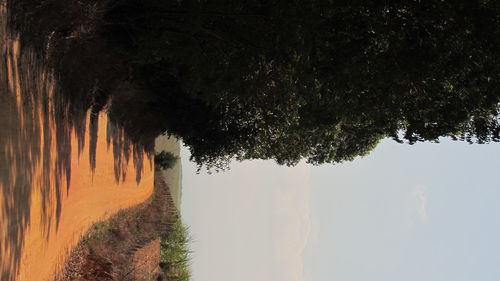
(99, 231)
(322, 80)
(165, 160)
(174, 252)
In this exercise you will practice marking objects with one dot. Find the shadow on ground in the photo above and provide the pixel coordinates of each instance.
(41, 113)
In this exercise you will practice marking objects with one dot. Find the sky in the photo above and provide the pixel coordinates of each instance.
(422, 212)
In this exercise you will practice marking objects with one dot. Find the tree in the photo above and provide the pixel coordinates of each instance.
(165, 160)
(321, 80)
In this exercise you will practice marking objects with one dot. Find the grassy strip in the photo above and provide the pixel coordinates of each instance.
(175, 253)
(171, 176)
(174, 250)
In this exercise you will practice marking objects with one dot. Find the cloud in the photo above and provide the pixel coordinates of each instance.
(292, 224)
(421, 202)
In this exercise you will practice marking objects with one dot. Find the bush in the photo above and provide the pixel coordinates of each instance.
(165, 160)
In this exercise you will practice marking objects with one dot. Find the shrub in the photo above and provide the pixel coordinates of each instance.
(165, 160)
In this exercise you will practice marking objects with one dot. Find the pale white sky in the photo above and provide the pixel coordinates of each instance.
(422, 212)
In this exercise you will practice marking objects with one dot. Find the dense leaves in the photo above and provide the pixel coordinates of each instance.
(321, 80)
(165, 160)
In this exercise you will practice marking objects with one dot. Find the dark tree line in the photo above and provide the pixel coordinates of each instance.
(323, 80)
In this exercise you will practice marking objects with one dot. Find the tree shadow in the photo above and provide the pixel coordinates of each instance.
(42, 112)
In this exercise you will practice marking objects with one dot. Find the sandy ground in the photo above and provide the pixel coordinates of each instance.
(47, 203)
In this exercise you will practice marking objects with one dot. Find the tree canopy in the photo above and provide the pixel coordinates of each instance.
(322, 80)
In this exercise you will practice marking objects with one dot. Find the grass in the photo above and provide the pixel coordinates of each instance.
(174, 250)
(97, 233)
(100, 229)
(175, 253)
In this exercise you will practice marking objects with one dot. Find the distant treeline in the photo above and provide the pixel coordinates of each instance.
(284, 80)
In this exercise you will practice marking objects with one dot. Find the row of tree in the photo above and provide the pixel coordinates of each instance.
(321, 80)
(285, 80)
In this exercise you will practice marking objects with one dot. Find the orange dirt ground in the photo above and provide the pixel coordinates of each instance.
(42, 218)
(125, 247)
(90, 199)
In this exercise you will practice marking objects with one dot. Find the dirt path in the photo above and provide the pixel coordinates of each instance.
(55, 180)
(127, 246)
(91, 197)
